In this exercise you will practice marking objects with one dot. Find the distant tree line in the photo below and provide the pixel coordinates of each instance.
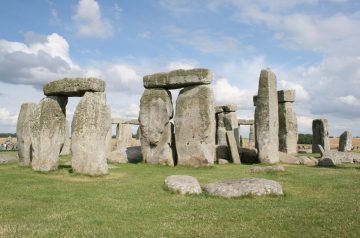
(6, 135)
(304, 139)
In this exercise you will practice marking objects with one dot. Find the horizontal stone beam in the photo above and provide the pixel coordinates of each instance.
(245, 122)
(131, 121)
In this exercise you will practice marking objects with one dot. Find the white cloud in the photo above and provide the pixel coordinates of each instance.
(349, 100)
(89, 21)
(181, 64)
(7, 118)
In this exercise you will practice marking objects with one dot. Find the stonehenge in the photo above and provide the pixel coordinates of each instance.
(191, 141)
(320, 135)
(247, 122)
(345, 141)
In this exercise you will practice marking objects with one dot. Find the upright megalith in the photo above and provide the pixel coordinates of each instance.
(23, 133)
(123, 141)
(90, 134)
(231, 121)
(267, 119)
(195, 126)
(156, 110)
(320, 135)
(287, 122)
(345, 141)
(66, 149)
(252, 137)
(48, 130)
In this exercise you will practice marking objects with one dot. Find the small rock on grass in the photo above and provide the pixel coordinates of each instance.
(183, 184)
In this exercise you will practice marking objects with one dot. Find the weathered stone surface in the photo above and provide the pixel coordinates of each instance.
(123, 141)
(5, 160)
(220, 129)
(66, 149)
(252, 137)
(178, 79)
(219, 109)
(120, 120)
(286, 96)
(248, 155)
(229, 108)
(266, 169)
(156, 110)
(132, 155)
(307, 161)
(267, 118)
(117, 157)
(74, 87)
(245, 122)
(288, 135)
(48, 131)
(222, 152)
(243, 187)
(195, 126)
(23, 133)
(333, 157)
(288, 158)
(223, 161)
(235, 157)
(90, 134)
(183, 184)
(231, 124)
(320, 135)
(345, 141)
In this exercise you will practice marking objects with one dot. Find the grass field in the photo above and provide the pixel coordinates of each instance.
(131, 202)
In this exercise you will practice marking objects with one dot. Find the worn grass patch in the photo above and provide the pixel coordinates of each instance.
(132, 202)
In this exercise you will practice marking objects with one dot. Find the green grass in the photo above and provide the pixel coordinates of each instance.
(4, 153)
(131, 202)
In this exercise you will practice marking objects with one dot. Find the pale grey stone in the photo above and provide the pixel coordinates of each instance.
(183, 184)
(66, 149)
(267, 118)
(288, 135)
(117, 157)
(345, 141)
(229, 108)
(288, 158)
(219, 109)
(307, 161)
(90, 134)
(266, 169)
(286, 96)
(223, 161)
(243, 187)
(245, 122)
(252, 137)
(132, 155)
(178, 79)
(220, 129)
(47, 127)
(74, 87)
(320, 135)
(123, 141)
(23, 133)
(195, 126)
(333, 157)
(120, 120)
(156, 110)
(5, 160)
(235, 157)
(231, 124)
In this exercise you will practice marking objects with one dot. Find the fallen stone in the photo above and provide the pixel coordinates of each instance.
(47, 127)
(234, 152)
(308, 161)
(156, 110)
(74, 87)
(183, 184)
(223, 161)
(195, 126)
(178, 79)
(23, 133)
(243, 187)
(333, 157)
(90, 134)
(266, 169)
(288, 159)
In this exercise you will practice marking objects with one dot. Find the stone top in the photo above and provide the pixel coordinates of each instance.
(245, 122)
(286, 96)
(226, 108)
(219, 109)
(131, 121)
(178, 78)
(74, 87)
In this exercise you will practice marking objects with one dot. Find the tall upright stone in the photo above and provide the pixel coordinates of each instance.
(156, 110)
(195, 126)
(123, 141)
(320, 135)
(231, 121)
(48, 129)
(66, 149)
(345, 141)
(90, 134)
(23, 133)
(287, 122)
(267, 118)
(252, 137)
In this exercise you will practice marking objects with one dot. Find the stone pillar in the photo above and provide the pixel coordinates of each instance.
(287, 122)
(252, 137)
(48, 129)
(123, 141)
(345, 141)
(267, 118)
(23, 133)
(220, 126)
(195, 126)
(66, 149)
(320, 135)
(90, 134)
(231, 121)
(156, 110)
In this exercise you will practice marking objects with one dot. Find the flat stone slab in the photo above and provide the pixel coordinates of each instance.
(243, 187)
(178, 78)
(4, 160)
(74, 87)
(266, 169)
(286, 96)
(183, 184)
(245, 122)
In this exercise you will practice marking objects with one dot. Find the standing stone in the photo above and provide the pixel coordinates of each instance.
(287, 122)
(252, 137)
(195, 126)
(233, 147)
(123, 141)
(156, 110)
(231, 121)
(23, 133)
(220, 129)
(345, 141)
(48, 129)
(267, 119)
(90, 134)
(320, 135)
(66, 149)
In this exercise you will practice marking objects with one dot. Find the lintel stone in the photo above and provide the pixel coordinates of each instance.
(286, 96)
(73, 87)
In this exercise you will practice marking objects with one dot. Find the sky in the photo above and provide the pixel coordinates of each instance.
(311, 45)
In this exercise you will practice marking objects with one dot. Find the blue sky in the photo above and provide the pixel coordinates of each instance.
(311, 45)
